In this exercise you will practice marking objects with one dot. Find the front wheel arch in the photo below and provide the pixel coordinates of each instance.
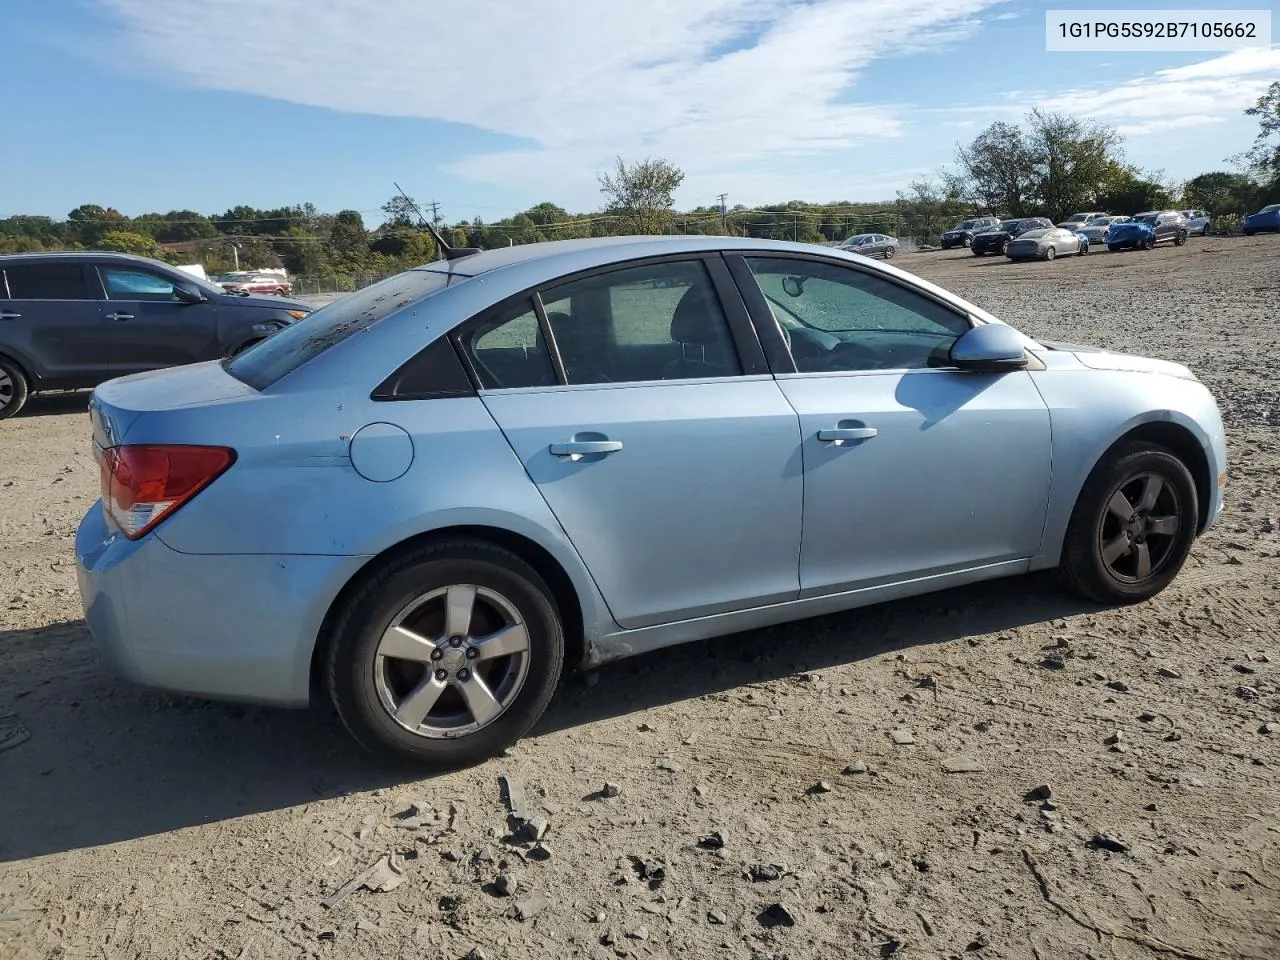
(534, 554)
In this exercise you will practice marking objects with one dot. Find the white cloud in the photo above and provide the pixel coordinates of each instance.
(1207, 92)
(733, 91)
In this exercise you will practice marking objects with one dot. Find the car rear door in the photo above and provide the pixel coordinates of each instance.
(149, 327)
(641, 406)
(911, 469)
(49, 318)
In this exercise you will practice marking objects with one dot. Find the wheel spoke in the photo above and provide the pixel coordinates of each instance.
(415, 707)
(1163, 526)
(508, 640)
(1150, 493)
(480, 700)
(1120, 507)
(1144, 561)
(459, 604)
(404, 644)
(1113, 550)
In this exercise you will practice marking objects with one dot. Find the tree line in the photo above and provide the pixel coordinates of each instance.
(1051, 165)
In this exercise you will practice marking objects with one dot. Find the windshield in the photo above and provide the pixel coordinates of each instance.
(1272, 208)
(860, 238)
(1033, 234)
(1147, 218)
(284, 352)
(966, 225)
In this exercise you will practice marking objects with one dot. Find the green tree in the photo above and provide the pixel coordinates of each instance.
(400, 211)
(927, 208)
(1264, 156)
(348, 240)
(88, 222)
(642, 195)
(999, 171)
(1220, 192)
(1077, 161)
(125, 241)
(1130, 194)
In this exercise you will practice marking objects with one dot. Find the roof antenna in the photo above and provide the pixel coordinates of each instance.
(450, 253)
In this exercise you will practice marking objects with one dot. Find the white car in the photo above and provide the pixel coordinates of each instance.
(1078, 220)
(1197, 222)
(1096, 230)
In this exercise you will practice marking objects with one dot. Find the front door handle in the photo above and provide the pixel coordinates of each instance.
(119, 316)
(9, 315)
(842, 434)
(578, 448)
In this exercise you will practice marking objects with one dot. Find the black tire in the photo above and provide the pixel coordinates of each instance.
(889, 252)
(967, 241)
(1084, 249)
(1180, 238)
(352, 647)
(1050, 253)
(1083, 567)
(13, 388)
(1149, 243)
(978, 253)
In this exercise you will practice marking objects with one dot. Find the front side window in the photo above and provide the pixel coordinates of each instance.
(841, 319)
(649, 323)
(508, 350)
(45, 281)
(128, 284)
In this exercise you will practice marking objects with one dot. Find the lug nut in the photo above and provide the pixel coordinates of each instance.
(472, 653)
(464, 674)
(455, 641)
(437, 653)
(442, 675)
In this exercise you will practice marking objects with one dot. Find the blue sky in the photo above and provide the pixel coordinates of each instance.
(490, 106)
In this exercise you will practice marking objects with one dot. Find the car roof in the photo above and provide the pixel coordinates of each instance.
(80, 255)
(557, 257)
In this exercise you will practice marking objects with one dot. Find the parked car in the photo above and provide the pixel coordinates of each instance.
(996, 239)
(872, 245)
(1046, 244)
(72, 320)
(1268, 218)
(427, 498)
(1197, 222)
(1146, 230)
(1078, 220)
(265, 283)
(1096, 230)
(962, 234)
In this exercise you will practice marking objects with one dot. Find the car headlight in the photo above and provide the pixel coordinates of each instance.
(296, 314)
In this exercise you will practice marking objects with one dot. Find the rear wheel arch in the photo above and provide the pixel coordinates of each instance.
(557, 579)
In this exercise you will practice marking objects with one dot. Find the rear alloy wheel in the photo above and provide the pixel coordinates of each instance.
(1004, 248)
(13, 389)
(447, 656)
(889, 252)
(1149, 243)
(1180, 238)
(1050, 253)
(1132, 527)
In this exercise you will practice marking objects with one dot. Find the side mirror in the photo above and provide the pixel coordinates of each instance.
(188, 293)
(989, 348)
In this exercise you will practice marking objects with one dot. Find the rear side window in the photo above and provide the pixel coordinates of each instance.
(305, 340)
(46, 281)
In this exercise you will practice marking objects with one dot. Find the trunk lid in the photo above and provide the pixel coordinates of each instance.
(117, 404)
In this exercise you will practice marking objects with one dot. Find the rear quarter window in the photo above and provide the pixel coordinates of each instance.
(311, 336)
(45, 281)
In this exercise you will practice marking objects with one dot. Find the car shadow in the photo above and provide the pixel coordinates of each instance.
(55, 404)
(86, 759)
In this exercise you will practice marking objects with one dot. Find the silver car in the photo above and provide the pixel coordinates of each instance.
(1047, 244)
(425, 501)
(1096, 230)
(872, 245)
(1197, 222)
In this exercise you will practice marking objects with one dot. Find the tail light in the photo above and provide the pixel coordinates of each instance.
(143, 484)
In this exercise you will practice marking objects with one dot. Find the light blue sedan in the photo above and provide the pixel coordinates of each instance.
(427, 500)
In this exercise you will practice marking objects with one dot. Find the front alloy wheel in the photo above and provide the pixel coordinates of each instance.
(446, 655)
(1133, 525)
(1050, 253)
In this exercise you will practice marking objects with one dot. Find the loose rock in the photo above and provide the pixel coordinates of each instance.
(764, 872)
(712, 841)
(1042, 792)
(855, 768)
(902, 737)
(1053, 661)
(530, 907)
(717, 917)
(776, 915)
(1115, 738)
(1105, 841)
(639, 933)
(1267, 728)
(505, 884)
(961, 765)
(820, 787)
(610, 790)
(1119, 686)
(1169, 673)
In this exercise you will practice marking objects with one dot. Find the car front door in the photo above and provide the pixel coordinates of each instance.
(911, 468)
(149, 327)
(49, 315)
(651, 425)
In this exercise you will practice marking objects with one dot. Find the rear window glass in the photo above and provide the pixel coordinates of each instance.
(46, 281)
(305, 340)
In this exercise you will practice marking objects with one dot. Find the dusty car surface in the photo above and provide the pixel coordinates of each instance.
(427, 499)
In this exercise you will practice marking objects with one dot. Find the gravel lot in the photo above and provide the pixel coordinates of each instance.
(138, 825)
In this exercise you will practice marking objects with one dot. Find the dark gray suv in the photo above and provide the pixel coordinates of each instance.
(73, 320)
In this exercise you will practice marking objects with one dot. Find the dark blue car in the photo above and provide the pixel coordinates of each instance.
(1145, 230)
(1268, 218)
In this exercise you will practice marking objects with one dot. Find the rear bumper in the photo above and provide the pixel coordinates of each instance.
(221, 626)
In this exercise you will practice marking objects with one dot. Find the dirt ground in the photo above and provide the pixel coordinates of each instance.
(135, 825)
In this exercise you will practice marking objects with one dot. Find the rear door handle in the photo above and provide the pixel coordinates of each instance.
(847, 433)
(119, 316)
(578, 448)
(9, 315)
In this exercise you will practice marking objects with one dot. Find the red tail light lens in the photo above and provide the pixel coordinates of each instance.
(144, 483)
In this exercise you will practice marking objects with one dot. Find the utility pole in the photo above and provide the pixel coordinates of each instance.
(724, 213)
(435, 214)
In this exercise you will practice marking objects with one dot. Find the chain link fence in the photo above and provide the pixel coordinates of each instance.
(334, 283)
